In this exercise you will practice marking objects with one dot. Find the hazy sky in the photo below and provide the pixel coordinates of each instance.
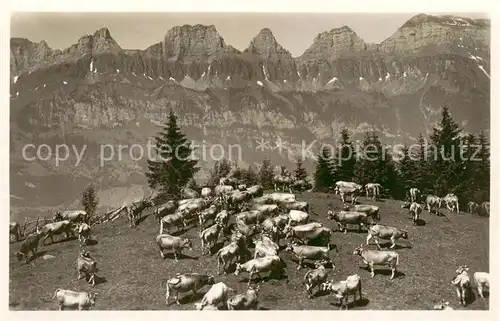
(294, 31)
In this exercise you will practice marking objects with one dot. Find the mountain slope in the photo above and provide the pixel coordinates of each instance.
(95, 93)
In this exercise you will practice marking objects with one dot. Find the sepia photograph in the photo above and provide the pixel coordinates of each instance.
(249, 161)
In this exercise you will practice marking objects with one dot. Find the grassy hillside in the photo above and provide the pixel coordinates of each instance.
(133, 272)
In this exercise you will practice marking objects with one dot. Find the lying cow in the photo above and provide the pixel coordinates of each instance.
(296, 205)
(30, 244)
(371, 211)
(247, 301)
(15, 229)
(376, 257)
(462, 284)
(344, 218)
(174, 243)
(270, 264)
(414, 209)
(342, 289)
(432, 202)
(182, 283)
(451, 201)
(56, 228)
(386, 233)
(303, 252)
(72, 299)
(314, 278)
(86, 267)
(217, 296)
(482, 280)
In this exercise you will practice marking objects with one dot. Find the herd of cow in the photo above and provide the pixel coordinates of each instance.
(259, 221)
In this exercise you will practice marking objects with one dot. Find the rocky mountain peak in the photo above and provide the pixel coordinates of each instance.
(191, 41)
(328, 43)
(265, 46)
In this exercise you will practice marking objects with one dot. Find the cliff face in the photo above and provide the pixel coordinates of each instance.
(96, 93)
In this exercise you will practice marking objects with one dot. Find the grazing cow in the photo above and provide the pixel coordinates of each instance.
(371, 210)
(250, 217)
(263, 264)
(348, 188)
(87, 266)
(30, 244)
(462, 284)
(206, 192)
(414, 209)
(236, 198)
(265, 247)
(222, 218)
(83, 233)
(314, 278)
(482, 280)
(72, 216)
(310, 252)
(373, 189)
(433, 202)
(134, 211)
(222, 189)
(209, 237)
(268, 210)
(72, 299)
(298, 217)
(247, 230)
(472, 207)
(177, 219)
(256, 190)
(174, 243)
(451, 201)
(165, 209)
(386, 233)
(342, 289)
(376, 257)
(344, 218)
(216, 296)
(15, 229)
(229, 252)
(56, 228)
(207, 214)
(306, 236)
(182, 283)
(414, 194)
(247, 301)
(443, 305)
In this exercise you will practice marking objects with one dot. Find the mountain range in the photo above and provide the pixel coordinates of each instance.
(96, 92)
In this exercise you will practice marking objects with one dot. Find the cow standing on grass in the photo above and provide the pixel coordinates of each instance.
(342, 289)
(182, 283)
(247, 301)
(432, 202)
(386, 233)
(451, 201)
(174, 243)
(56, 228)
(348, 189)
(72, 299)
(87, 266)
(414, 194)
(462, 284)
(30, 244)
(376, 257)
(414, 209)
(314, 278)
(344, 218)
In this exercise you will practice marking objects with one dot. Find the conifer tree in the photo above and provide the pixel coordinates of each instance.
(266, 174)
(221, 168)
(323, 176)
(406, 173)
(172, 168)
(300, 172)
(346, 159)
